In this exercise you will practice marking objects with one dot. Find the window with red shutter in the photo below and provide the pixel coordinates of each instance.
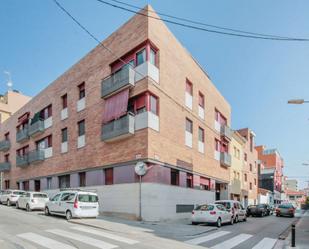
(109, 176)
(189, 87)
(201, 100)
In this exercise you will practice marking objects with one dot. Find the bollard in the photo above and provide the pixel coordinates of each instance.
(293, 235)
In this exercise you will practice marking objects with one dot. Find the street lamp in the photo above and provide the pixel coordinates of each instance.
(297, 101)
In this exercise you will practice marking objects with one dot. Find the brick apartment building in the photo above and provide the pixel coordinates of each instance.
(271, 175)
(91, 126)
(250, 169)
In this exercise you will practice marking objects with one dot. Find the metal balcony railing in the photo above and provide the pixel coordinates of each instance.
(117, 81)
(22, 161)
(36, 156)
(36, 128)
(119, 128)
(22, 135)
(5, 145)
(226, 132)
(225, 159)
(5, 166)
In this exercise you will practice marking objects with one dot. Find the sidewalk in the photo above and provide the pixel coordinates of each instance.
(302, 234)
(159, 233)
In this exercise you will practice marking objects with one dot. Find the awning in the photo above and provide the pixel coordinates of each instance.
(116, 106)
(204, 181)
(23, 118)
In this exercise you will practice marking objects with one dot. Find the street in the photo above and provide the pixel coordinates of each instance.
(32, 230)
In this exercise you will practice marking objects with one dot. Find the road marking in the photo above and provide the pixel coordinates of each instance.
(228, 244)
(206, 238)
(266, 243)
(84, 239)
(106, 235)
(44, 241)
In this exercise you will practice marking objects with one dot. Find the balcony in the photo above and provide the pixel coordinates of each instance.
(36, 128)
(225, 159)
(5, 145)
(22, 161)
(5, 166)
(117, 82)
(36, 156)
(226, 132)
(118, 129)
(22, 135)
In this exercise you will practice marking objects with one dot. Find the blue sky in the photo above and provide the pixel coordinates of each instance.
(38, 43)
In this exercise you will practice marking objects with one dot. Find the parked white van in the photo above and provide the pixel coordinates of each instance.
(32, 201)
(73, 204)
(235, 208)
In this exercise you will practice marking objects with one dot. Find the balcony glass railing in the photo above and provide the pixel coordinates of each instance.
(36, 156)
(5, 166)
(5, 145)
(22, 161)
(225, 159)
(22, 135)
(226, 132)
(36, 128)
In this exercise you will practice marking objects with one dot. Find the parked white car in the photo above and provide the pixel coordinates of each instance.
(73, 204)
(211, 213)
(235, 208)
(32, 201)
(10, 197)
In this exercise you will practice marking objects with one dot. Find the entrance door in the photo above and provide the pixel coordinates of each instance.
(37, 185)
(217, 191)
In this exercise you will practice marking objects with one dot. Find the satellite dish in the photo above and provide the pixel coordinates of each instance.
(140, 168)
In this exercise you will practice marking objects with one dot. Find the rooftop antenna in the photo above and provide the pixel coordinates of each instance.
(9, 82)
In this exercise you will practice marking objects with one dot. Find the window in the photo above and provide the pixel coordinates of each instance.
(64, 135)
(23, 151)
(44, 114)
(109, 176)
(56, 197)
(251, 142)
(189, 180)
(64, 100)
(88, 198)
(7, 136)
(250, 185)
(140, 57)
(189, 87)
(189, 126)
(81, 128)
(44, 143)
(201, 101)
(175, 177)
(217, 145)
(64, 181)
(18, 185)
(81, 90)
(245, 157)
(154, 104)
(7, 158)
(7, 184)
(255, 181)
(82, 179)
(201, 135)
(26, 185)
(246, 177)
(204, 183)
(67, 197)
(152, 56)
(49, 183)
(250, 167)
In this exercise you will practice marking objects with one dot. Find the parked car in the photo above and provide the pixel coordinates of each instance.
(259, 210)
(211, 213)
(73, 204)
(32, 201)
(285, 210)
(10, 197)
(235, 208)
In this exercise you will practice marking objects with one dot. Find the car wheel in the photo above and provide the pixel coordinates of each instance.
(236, 219)
(17, 206)
(8, 203)
(194, 223)
(219, 222)
(28, 208)
(46, 211)
(232, 220)
(245, 218)
(68, 215)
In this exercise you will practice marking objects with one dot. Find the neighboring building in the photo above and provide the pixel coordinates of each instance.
(296, 197)
(291, 184)
(250, 170)
(265, 196)
(10, 102)
(236, 172)
(272, 174)
(84, 132)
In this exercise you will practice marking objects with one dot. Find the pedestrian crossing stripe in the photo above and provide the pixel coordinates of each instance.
(206, 238)
(106, 235)
(230, 243)
(266, 243)
(82, 238)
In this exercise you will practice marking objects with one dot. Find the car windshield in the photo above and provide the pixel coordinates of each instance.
(252, 206)
(261, 206)
(40, 196)
(205, 207)
(87, 198)
(18, 193)
(227, 205)
(285, 206)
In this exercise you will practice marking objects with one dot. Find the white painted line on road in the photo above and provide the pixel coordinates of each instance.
(44, 241)
(266, 243)
(228, 244)
(106, 235)
(206, 238)
(84, 239)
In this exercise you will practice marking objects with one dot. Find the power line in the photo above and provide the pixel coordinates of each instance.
(202, 23)
(204, 29)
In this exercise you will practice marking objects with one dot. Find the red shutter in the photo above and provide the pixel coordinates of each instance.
(189, 87)
(116, 106)
(204, 181)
